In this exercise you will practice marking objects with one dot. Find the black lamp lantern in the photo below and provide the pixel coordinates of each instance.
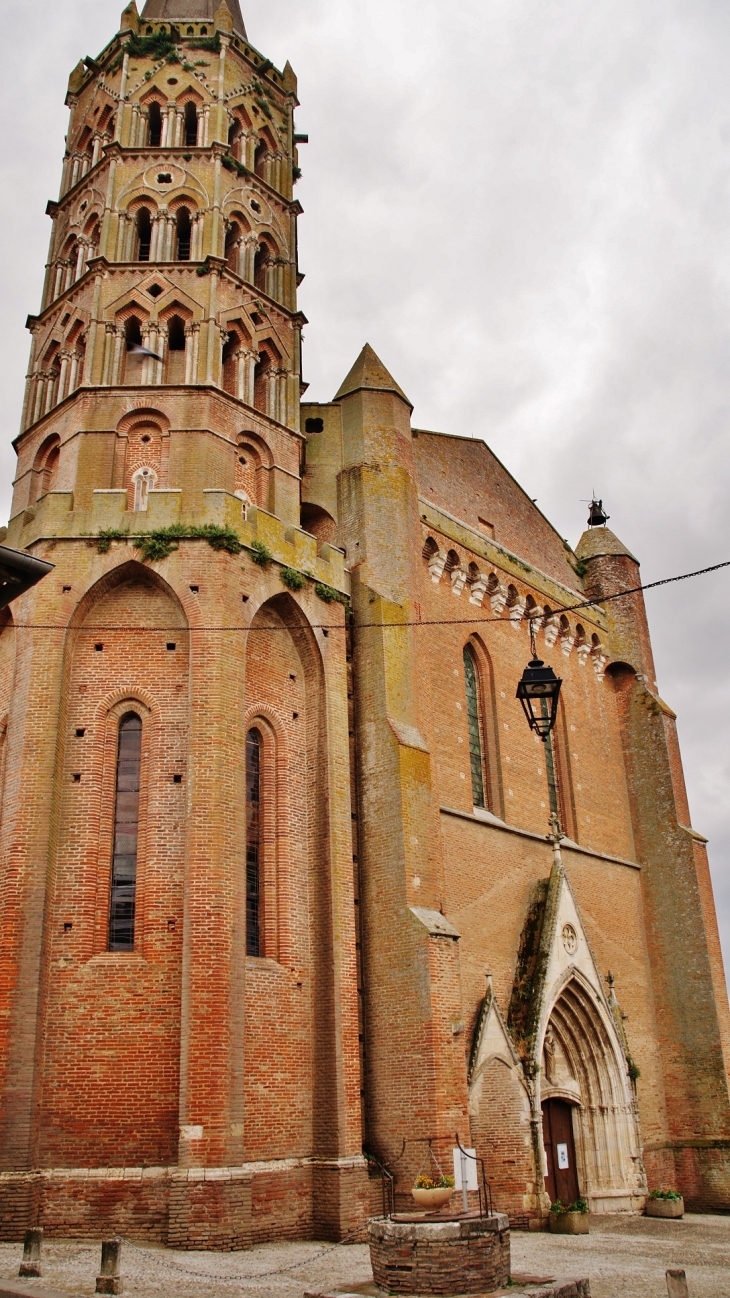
(538, 692)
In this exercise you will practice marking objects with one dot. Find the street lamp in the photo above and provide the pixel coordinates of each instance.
(538, 692)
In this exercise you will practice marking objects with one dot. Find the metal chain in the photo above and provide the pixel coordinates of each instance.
(236, 1279)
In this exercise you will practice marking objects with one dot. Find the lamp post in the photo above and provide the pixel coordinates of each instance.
(539, 693)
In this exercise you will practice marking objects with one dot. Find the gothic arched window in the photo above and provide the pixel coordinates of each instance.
(474, 718)
(183, 233)
(155, 125)
(144, 234)
(144, 480)
(175, 351)
(261, 261)
(261, 382)
(483, 728)
(254, 747)
(191, 125)
(233, 234)
(230, 363)
(126, 833)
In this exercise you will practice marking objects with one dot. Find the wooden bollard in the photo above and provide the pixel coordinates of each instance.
(110, 1280)
(31, 1264)
(677, 1283)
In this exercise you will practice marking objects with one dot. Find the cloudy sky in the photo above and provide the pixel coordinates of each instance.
(523, 206)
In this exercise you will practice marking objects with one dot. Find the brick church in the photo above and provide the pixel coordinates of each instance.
(277, 881)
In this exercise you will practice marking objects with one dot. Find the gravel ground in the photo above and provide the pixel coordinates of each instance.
(625, 1257)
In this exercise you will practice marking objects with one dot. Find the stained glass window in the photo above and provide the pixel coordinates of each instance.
(475, 728)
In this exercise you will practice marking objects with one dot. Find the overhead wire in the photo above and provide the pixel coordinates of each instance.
(382, 626)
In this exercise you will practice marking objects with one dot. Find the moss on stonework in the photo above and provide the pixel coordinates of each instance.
(161, 541)
(232, 164)
(156, 46)
(521, 1007)
(210, 43)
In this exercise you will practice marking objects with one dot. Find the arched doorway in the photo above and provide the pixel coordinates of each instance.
(590, 1123)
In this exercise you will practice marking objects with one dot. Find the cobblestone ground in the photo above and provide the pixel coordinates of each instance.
(624, 1258)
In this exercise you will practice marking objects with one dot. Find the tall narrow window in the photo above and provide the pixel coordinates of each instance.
(176, 351)
(126, 828)
(183, 234)
(253, 842)
(473, 712)
(191, 125)
(144, 234)
(155, 125)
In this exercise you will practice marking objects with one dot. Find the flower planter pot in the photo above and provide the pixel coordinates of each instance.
(569, 1223)
(432, 1199)
(664, 1207)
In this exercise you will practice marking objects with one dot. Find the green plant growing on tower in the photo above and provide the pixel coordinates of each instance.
(260, 554)
(162, 541)
(156, 46)
(292, 579)
(210, 43)
(329, 594)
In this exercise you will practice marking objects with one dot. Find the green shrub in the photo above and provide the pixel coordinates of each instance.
(232, 164)
(157, 46)
(292, 579)
(329, 594)
(210, 43)
(260, 554)
(673, 1195)
(161, 542)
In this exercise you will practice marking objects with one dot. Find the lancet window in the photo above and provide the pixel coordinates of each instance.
(476, 734)
(191, 125)
(126, 834)
(254, 746)
(144, 234)
(154, 125)
(176, 351)
(144, 480)
(183, 234)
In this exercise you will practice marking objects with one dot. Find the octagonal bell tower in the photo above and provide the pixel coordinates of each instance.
(178, 977)
(172, 263)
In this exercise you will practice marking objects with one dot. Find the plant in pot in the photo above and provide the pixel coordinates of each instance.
(664, 1203)
(569, 1218)
(432, 1192)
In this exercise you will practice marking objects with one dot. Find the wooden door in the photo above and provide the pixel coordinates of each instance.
(561, 1181)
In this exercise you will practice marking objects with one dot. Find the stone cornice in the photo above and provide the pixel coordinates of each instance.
(439, 520)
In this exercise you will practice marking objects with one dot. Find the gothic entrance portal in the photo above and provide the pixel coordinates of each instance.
(561, 1180)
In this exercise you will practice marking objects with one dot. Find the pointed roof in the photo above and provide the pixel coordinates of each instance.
(181, 11)
(601, 540)
(369, 372)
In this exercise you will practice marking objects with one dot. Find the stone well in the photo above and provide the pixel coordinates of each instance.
(463, 1256)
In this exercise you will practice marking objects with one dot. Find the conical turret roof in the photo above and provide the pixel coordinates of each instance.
(196, 11)
(601, 540)
(370, 372)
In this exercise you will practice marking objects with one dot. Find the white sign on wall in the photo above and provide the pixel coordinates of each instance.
(563, 1156)
(472, 1181)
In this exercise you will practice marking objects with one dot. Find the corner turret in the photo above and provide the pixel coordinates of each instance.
(611, 567)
